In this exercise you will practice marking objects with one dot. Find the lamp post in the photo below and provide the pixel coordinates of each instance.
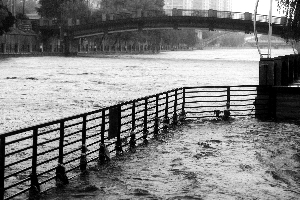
(270, 30)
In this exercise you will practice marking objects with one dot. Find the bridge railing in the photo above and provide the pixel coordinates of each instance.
(175, 12)
(36, 158)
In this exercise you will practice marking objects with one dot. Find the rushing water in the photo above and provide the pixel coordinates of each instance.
(244, 159)
(40, 89)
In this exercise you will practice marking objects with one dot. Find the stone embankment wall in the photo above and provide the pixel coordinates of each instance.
(283, 96)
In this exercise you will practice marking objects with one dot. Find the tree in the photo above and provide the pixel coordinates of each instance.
(7, 20)
(50, 8)
(291, 9)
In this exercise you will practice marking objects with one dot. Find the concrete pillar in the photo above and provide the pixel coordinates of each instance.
(266, 71)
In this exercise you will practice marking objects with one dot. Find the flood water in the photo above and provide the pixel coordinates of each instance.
(40, 89)
(244, 159)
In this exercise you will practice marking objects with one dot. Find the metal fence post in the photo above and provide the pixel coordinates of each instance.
(119, 150)
(132, 134)
(133, 116)
(34, 185)
(83, 159)
(61, 143)
(156, 120)
(166, 119)
(103, 151)
(227, 111)
(175, 121)
(2, 166)
(182, 114)
(61, 177)
(145, 129)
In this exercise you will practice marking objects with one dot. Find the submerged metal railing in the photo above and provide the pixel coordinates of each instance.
(34, 159)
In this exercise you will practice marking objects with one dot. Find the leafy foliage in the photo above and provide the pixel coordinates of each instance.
(291, 8)
(7, 20)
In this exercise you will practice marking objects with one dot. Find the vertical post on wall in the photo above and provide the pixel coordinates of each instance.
(2, 166)
(61, 143)
(103, 126)
(34, 151)
(145, 129)
(34, 185)
(156, 120)
(228, 95)
(83, 159)
(175, 108)
(133, 115)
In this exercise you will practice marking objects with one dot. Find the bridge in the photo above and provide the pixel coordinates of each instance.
(167, 19)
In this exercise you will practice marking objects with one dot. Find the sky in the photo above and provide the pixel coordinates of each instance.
(249, 6)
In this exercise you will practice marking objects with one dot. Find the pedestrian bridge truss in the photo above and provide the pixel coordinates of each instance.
(168, 19)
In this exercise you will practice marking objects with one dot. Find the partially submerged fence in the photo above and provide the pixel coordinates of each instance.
(34, 159)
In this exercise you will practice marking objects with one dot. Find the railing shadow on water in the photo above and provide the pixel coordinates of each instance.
(37, 158)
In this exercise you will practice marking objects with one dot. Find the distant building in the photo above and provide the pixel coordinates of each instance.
(220, 5)
(179, 4)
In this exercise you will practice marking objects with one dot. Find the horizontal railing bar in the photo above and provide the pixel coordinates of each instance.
(206, 101)
(17, 194)
(93, 127)
(190, 97)
(18, 151)
(18, 183)
(203, 91)
(72, 151)
(233, 105)
(93, 143)
(242, 95)
(73, 133)
(46, 161)
(72, 125)
(46, 172)
(18, 172)
(205, 106)
(243, 100)
(18, 140)
(49, 131)
(47, 180)
(17, 162)
(48, 151)
(93, 119)
(73, 142)
(94, 135)
(48, 141)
